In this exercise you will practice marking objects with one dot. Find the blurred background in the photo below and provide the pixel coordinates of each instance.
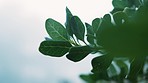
(21, 31)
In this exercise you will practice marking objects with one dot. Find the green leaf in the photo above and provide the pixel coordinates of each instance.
(135, 68)
(95, 78)
(137, 3)
(54, 48)
(68, 18)
(130, 12)
(90, 33)
(56, 30)
(123, 68)
(121, 4)
(112, 71)
(107, 18)
(77, 27)
(101, 63)
(106, 21)
(87, 78)
(107, 34)
(122, 64)
(78, 53)
(120, 18)
(95, 24)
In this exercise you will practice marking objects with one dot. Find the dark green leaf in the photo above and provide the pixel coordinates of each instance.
(122, 64)
(121, 3)
(137, 3)
(90, 33)
(101, 63)
(56, 30)
(107, 18)
(107, 34)
(112, 71)
(95, 24)
(87, 78)
(77, 27)
(89, 28)
(68, 18)
(106, 22)
(120, 18)
(78, 53)
(130, 12)
(95, 77)
(54, 48)
(123, 68)
(135, 67)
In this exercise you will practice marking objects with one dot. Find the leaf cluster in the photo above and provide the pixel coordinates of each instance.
(120, 37)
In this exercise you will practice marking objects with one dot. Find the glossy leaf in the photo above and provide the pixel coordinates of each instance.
(77, 27)
(68, 18)
(95, 24)
(78, 53)
(54, 48)
(56, 30)
(101, 63)
(90, 33)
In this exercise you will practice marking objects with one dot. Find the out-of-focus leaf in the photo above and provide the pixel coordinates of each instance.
(77, 27)
(95, 77)
(68, 18)
(112, 71)
(90, 33)
(107, 18)
(101, 63)
(54, 48)
(136, 3)
(56, 30)
(135, 68)
(87, 78)
(123, 68)
(78, 53)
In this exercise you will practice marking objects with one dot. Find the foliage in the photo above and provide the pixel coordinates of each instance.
(120, 36)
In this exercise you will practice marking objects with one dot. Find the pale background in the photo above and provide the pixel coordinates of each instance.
(21, 31)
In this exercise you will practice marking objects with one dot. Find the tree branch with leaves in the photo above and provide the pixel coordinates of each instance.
(121, 37)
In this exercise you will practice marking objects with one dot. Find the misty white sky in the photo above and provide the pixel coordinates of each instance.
(22, 29)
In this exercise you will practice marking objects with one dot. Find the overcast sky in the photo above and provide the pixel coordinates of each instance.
(22, 29)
